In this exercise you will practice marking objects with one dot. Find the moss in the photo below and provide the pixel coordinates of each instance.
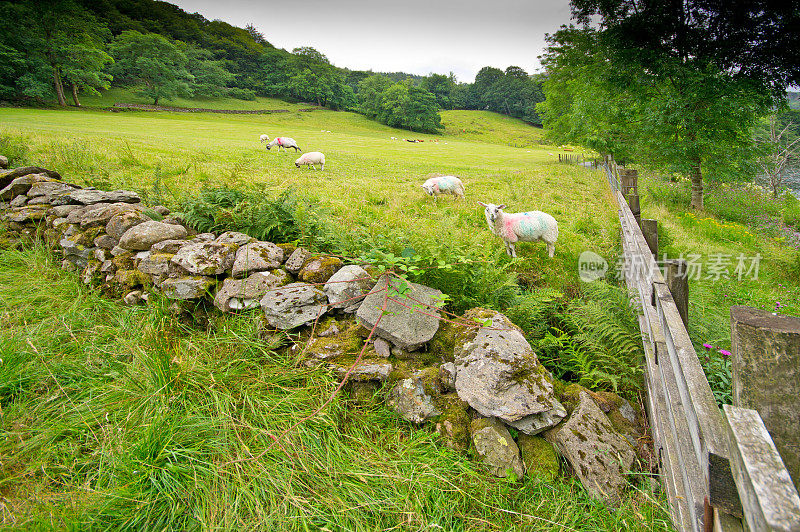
(87, 237)
(124, 261)
(570, 396)
(287, 248)
(347, 342)
(443, 342)
(132, 278)
(539, 457)
(454, 426)
(320, 269)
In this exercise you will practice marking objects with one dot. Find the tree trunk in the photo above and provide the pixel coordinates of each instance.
(59, 87)
(697, 186)
(75, 95)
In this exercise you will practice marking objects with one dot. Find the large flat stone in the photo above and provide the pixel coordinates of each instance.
(293, 305)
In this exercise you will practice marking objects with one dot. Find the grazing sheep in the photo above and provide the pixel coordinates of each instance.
(264, 138)
(521, 226)
(312, 158)
(284, 143)
(444, 184)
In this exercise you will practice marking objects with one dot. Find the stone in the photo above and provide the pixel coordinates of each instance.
(18, 201)
(116, 251)
(539, 457)
(75, 216)
(3, 161)
(91, 272)
(189, 287)
(235, 238)
(21, 185)
(453, 427)
(256, 257)
(496, 448)
(410, 320)
(142, 236)
(49, 189)
(101, 255)
(33, 213)
(168, 246)
(297, 260)
(347, 288)
(600, 457)
(63, 210)
(72, 246)
(119, 223)
(155, 264)
(133, 298)
(344, 341)
(8, 177)
(131, 278)
(203, 237)
(498, 374)
(39, 200)
(409, 399)
(319, 269)
(294, 305)
(160, 209)
(103, 241)
(205, 258)
(447, 375)
(89, 196)
(382, 347)
(366, 370)
(102, 215)
(243, 294)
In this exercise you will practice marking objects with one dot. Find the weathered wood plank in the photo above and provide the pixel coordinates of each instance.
(768, 496)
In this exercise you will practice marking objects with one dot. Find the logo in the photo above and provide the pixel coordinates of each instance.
(591, 266)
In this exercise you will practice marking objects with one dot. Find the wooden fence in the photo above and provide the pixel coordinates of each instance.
(719, 471)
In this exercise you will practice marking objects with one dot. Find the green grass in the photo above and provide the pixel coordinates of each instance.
(120, 417)
(89, 380)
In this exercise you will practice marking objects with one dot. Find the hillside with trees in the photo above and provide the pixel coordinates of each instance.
(61, 48)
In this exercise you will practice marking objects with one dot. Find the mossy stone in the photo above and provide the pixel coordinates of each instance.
(539, 457)
(443, 342)
(453, 426)
(132, 278)
(287, 248)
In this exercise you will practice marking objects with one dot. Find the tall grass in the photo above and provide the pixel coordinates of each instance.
(124, 418)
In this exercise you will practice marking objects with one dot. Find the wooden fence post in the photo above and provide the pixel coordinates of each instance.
(650, 232)
(766, 376)
(676, 276)
(633, 203)
(630, 182)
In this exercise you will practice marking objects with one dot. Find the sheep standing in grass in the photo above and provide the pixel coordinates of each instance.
(264, 138)
(521, 226)
(284, 143)
(312, 158)
(444, 184)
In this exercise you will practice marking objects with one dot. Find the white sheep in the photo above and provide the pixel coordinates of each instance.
(521, 226)
(444, 184)
(284, 143)
(312, 158)
(264, 138)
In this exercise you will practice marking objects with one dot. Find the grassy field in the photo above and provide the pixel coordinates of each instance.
(85, 382)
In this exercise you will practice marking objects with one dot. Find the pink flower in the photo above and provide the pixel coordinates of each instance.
(708, 346)
(724, 353)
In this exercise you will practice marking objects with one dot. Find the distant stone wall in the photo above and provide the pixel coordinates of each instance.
(146, 107)
(474, 376)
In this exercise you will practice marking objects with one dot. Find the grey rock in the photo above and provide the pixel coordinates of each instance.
(366, 370)
(103, 241)
(63, 210)
(102, 215)
(49, 189)
(256, 257)
(498, 374)
(293, 305)
(169, 246)
(319, 270)
(297, 260)
(18, 201)
(536, 423)
(70, 246)
(409, 400)
(382, 347)
(191, 287)
(75, 216)
(101, 255)
(108, 267)
(21, 185)
(32, 213)
(496, 448)
(447, 375)
(242, 294)
(120, 222)
(142, 236)
(600, 457)
(160, 209)
(155, 264)
(116, 251)
(347, 288)
(205, 258)
(203, 237)
(408, 325)
(234, 238)
(3, 161)
(58, 222)
(39, 200)
(133, 298)
(89, 196)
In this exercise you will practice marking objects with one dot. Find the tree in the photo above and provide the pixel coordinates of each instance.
(698, 61)
(370, 93)
(210, 77)
(153, 60)
(84, 70)
(779, 144)
(440, 86)
(408, 107)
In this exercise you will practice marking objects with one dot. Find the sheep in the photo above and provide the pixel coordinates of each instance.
(312, 158)
(284, 143)
(521, 226)
(264, 138)
(444, 184)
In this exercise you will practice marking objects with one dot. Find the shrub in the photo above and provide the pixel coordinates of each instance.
(15, 148)
(241, 94)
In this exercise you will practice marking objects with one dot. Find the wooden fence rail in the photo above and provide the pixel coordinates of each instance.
(695, 442)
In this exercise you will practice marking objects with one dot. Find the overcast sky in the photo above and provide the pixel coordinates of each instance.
(415, 36)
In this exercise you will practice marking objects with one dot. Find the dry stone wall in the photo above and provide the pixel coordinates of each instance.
(474, 377)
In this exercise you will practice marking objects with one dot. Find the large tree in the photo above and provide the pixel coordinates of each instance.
(704, 71)
(154, 61)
